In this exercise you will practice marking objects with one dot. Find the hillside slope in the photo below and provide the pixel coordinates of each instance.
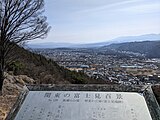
(45, 71)
(149, 48)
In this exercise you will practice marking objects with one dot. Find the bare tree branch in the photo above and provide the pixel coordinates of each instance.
(20, 21)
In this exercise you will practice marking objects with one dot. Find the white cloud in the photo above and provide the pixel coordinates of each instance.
(142, 8)
(100, 20)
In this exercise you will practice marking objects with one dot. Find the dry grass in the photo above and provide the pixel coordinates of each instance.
(6, 103)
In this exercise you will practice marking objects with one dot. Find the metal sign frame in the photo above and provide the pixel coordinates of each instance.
(146, 91)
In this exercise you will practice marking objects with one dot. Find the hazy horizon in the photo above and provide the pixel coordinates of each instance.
(110, 40)
(94, 21)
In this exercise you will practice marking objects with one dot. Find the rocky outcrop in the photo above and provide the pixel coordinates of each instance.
(6, 103)
(13, 85)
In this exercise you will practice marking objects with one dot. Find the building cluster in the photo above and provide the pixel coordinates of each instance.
(128, 71)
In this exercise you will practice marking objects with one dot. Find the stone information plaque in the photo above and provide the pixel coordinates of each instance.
(81, 105)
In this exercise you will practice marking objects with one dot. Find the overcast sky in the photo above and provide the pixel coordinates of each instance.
(88, 21)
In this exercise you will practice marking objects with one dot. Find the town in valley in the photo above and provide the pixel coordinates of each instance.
(119, 67)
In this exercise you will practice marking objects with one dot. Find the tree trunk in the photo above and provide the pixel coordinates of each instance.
(1, 80)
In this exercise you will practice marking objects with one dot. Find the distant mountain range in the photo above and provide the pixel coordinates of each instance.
(150, 48)
(146, 37)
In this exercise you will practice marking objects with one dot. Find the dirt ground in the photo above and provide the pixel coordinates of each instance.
(6, 103)
(12, 87)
